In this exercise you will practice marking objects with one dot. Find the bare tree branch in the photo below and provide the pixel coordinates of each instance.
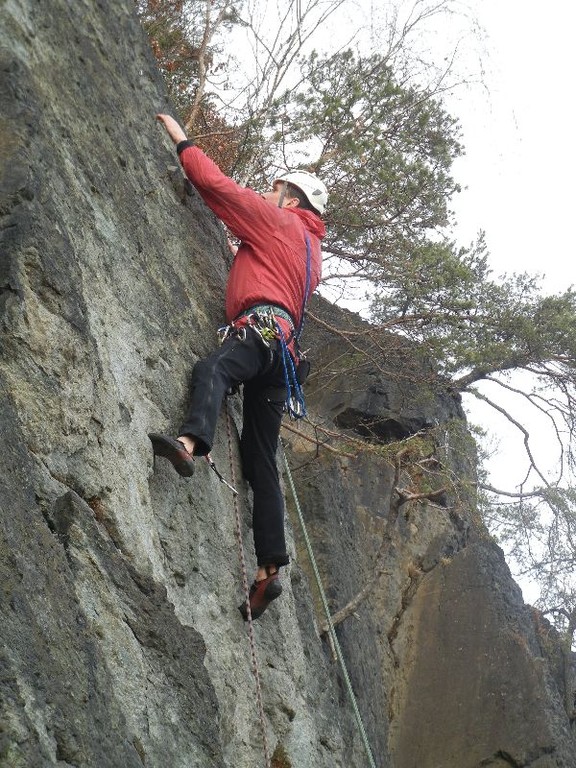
(521, 428)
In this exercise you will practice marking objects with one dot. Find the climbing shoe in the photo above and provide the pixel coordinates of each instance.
(174, 451)
(261, 595)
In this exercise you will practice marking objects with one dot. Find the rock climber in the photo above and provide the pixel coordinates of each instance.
(277, 262)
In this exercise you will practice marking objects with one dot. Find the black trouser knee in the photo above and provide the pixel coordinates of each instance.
(236, 360)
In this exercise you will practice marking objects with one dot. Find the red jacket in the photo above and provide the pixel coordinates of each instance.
(270, 265)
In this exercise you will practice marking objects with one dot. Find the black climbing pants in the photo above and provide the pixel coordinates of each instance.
(248, 361)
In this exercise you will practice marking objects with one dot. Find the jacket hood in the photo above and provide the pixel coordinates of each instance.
(311, 221)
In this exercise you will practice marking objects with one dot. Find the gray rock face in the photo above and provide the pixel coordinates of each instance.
(464, 646)
(120, 639)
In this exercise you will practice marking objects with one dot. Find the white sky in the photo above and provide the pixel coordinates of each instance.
(520, 161)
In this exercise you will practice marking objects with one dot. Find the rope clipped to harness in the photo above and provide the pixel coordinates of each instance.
(295, 405)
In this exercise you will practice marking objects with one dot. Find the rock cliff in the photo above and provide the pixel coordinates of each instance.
(120, 639)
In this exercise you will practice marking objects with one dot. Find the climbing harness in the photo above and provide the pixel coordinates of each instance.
(255, 670)
(263, 320)
(330, 623)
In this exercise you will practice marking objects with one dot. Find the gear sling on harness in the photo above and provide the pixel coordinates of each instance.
(262, 318)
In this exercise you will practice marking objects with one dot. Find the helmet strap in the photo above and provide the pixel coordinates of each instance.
(282, 194)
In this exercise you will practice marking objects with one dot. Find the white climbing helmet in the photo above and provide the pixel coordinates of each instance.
(310, 185)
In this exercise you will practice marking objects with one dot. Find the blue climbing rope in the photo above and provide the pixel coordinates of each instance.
(295, 403)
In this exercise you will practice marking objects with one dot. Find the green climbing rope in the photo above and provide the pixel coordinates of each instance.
(331, 628)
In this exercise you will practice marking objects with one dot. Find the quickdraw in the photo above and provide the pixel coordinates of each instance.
(263, 322)
(227, 331)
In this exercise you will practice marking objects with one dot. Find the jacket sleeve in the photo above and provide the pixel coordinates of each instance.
(247, 215)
